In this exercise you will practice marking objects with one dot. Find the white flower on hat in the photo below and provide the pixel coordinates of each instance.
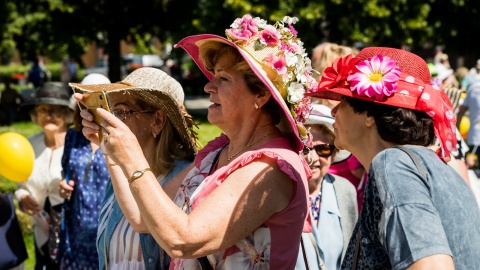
(289, 60)
(295, 92)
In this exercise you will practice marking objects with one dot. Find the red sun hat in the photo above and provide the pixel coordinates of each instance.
(392, 77)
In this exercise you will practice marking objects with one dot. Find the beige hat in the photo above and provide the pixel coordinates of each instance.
(157, 88)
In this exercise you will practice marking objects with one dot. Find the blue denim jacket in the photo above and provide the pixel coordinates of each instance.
(154, 257)
(407, 216)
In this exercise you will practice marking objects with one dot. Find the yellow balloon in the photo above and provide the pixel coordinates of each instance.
(16, 157)
(464, 126)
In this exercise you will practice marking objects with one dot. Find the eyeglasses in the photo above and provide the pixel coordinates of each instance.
(122, 114)
(54, 111)
(322, 150)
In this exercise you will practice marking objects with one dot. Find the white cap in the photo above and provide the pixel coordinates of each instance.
(95, 78)
(322, 115)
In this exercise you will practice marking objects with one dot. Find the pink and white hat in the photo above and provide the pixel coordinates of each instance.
(278, 58)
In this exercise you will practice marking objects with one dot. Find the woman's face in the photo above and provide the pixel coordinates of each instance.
(349, 126)
(140, 121)
(229, 93)
(51, 118)
(318, 165)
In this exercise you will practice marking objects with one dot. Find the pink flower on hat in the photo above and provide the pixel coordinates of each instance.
(269, 36)
(376, 76)
(244, 28)
(279, 63)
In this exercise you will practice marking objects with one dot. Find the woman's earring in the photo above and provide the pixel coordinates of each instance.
(154, 135)
(256, 106)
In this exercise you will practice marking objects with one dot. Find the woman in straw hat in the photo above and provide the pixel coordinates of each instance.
(250, 207)
(154, 128)
(333, 199)
(85, 177)
(418, 213)
(39, 194)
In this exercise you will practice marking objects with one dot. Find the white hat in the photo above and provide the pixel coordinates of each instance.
(95, 78)
(443, 72)
(322, 115)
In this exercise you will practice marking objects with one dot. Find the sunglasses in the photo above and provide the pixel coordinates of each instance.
(323, 150)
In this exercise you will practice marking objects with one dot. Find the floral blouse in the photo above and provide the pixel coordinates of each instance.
(275, 243)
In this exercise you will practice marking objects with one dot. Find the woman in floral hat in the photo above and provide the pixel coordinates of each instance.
(417, 213)
(250, 207)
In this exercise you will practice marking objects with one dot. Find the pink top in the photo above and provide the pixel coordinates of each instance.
(274, 245)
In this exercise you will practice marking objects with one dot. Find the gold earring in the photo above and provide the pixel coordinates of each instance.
(154, 135)
(256, 106)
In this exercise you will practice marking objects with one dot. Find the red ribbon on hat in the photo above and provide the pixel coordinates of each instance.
(411, 93)
(433, 101)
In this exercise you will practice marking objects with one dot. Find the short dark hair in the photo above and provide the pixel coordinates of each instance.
(397, 125)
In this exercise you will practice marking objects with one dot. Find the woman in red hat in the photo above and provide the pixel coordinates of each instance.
(417, 213)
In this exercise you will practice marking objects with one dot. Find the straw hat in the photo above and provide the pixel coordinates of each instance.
(391, 77)
(156, 88)
(278, 58)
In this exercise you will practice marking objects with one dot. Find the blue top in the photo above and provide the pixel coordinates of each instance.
(89, 171)
(406, 217)
(327, 234)
(153, 256)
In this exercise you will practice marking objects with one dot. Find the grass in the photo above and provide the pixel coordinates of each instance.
(205, 131)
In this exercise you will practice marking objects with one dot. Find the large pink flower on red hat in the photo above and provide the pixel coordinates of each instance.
(336, 75)
(375, 77)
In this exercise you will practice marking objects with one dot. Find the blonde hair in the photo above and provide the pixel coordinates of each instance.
(169, 147)
(325, 53)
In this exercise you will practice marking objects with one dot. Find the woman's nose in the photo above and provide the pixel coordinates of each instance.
(335, 109)
(209, 87)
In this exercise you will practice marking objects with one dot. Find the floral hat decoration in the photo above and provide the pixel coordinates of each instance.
(278, 58)
(392, 77)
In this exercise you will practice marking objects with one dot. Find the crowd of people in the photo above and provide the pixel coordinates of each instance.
(348, 160)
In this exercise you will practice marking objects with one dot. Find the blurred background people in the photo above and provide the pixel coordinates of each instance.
(10, 101)
(85, 177)
(333, 199)
(38, 73)
(38, 196)
(150, 105)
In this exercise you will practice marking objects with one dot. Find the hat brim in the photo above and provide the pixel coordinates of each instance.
(45, 100)
(287, 124)
(158, 98)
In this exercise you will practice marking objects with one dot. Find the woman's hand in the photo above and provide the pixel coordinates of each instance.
(29, 205)
(115, 135)
(90, 128)
(65, 190)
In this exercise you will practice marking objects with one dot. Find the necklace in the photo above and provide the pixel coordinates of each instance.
(315, 205)
(247, 146)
